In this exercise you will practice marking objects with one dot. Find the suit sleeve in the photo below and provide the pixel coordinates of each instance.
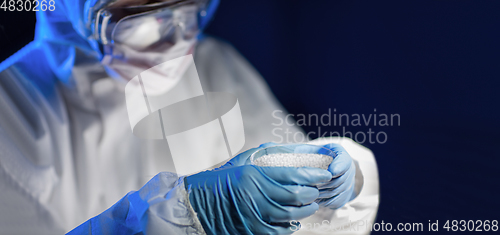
(159, 207)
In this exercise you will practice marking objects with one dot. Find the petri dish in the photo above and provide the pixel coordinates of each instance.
(293, 155)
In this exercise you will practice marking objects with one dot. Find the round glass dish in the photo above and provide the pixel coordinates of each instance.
(293, 155)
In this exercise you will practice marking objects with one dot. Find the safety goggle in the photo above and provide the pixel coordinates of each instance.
(171, 14)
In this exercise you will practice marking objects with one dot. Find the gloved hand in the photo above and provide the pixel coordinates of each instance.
(340, 189)
(247, 199)
(333, 194)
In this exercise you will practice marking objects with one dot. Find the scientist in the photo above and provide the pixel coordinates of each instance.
(69, 162)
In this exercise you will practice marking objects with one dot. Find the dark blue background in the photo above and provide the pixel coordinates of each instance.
(436, 63)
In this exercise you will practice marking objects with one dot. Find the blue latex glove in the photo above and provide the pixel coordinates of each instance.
(247, 199)
(340, 189)
(333, 194)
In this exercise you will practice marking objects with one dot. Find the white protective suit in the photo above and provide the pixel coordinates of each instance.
(67, 152)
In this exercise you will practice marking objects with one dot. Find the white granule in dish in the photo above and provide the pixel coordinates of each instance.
(295, 160)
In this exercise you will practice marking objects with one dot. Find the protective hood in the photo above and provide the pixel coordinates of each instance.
(61, 31)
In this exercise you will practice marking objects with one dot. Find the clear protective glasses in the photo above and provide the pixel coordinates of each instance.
(146, 35)
(112, 23)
